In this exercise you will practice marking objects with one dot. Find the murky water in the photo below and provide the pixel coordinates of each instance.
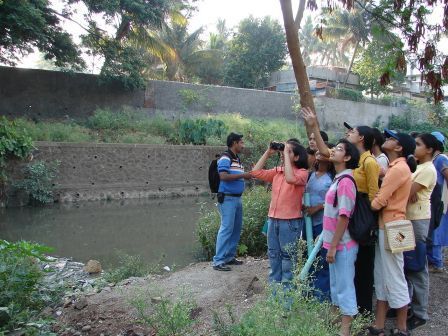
(97, 230)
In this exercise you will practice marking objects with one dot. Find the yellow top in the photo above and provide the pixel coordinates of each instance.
(426, 176)
(367, 175)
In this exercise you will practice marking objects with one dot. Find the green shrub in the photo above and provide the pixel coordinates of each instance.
(129, 266)
(165, 317)
(38, 181)
(255, 210)
(196, 131)
(346, 94)
(14, 142)
(20, 277)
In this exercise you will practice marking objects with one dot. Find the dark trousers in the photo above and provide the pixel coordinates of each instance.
(364, 278)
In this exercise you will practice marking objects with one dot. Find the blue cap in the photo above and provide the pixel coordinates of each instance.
(405, 140)
(439, 136)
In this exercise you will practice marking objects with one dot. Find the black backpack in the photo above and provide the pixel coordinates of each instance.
(213, 175)
(363, 223)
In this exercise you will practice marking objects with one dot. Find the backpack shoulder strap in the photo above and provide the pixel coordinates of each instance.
(335, 202)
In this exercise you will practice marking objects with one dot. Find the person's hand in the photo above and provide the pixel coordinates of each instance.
(310, 211)
(413, 198)
(270, 151)
(288, 149)
(247, 176)
(309, 116)
(331, 255)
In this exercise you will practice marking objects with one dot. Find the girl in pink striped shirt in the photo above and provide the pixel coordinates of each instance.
(342, 249)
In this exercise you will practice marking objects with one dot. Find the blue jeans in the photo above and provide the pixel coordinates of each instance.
(282, 248)
(342, 275)
(435, 255)
(231, 211)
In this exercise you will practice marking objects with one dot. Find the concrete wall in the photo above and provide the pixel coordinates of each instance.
(43, 94)
(57, 95)
(116, 171)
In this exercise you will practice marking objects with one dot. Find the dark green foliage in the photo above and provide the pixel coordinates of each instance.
(20, 277)
(253, 242)
(257, 50)
(29, 24)
(196, 131)
(38, 181)
(347, 94)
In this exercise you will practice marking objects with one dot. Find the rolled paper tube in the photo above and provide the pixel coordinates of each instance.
(308, 225)
(311, 257)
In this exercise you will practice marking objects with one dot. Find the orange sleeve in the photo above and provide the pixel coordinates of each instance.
(392, 181)
(266, 175)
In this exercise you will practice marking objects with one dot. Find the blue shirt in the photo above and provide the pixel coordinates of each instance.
(317, 188)
(231, 166)
(441, 163)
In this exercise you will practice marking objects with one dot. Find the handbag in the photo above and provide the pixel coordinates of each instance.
(415, 260)
(399, 236)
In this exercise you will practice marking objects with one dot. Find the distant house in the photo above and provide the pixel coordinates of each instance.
(320, 77)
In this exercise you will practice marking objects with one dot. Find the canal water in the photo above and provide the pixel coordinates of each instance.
(155, 229)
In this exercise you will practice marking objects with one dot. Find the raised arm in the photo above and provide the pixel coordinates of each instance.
(312, 126)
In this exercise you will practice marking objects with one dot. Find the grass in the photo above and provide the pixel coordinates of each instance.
(134, 126)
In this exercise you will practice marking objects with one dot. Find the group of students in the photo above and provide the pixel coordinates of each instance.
(397, 173)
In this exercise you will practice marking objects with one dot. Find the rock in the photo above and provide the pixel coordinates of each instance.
(81, 303)
(156, 299)
(86, 328)
(166, 268)
(93, 267)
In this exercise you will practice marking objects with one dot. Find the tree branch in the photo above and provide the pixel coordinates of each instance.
(299, 14)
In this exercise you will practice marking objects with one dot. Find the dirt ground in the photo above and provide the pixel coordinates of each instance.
(110, 313)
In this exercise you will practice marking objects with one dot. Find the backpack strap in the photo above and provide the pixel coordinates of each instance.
(335, 202)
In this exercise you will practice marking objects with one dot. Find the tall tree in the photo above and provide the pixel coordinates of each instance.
(410, 17)
(256, 50)
(25, 25)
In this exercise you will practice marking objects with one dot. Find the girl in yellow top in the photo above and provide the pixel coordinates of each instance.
(419, 212)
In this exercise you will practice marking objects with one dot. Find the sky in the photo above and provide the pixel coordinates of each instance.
(207, 15)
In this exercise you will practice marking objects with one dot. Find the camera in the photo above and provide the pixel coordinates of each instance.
(277, 146)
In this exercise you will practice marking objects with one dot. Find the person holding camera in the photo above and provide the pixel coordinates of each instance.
(231, 187)
(285, 211)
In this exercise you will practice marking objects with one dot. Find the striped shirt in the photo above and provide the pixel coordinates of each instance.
(346, 191)
(231, 166)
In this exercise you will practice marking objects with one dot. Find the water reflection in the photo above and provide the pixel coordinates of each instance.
(95, 230)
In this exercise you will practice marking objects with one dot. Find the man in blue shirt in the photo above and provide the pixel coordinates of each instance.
(231, 187)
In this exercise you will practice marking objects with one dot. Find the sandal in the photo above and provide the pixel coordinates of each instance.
(376, 332)
(398, 332)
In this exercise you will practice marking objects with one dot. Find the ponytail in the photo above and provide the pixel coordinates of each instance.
(412, 163)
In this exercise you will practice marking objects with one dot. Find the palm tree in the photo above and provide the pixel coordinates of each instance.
(349, 29)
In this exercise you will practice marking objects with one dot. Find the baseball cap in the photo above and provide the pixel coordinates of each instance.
(347, 125)
(405, 140)
(439, 136)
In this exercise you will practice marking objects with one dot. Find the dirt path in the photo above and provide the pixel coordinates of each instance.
(110, 313)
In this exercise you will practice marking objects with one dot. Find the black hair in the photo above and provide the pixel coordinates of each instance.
(310, 151)
(295, 140)
(233, 137)
(412, 163)
(414, 134)
(430, 141)
(352, 151)
(378, 137)
(299, 150)
(324, 136)
(369, 138)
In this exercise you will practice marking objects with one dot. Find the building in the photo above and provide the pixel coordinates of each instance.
(320, 78)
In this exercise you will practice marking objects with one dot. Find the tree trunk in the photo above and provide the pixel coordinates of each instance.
(351, 62)
(292, 39)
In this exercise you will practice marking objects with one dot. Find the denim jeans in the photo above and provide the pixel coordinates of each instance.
(342, 275)
(231, 211)
(435, 255)
(282, 248)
